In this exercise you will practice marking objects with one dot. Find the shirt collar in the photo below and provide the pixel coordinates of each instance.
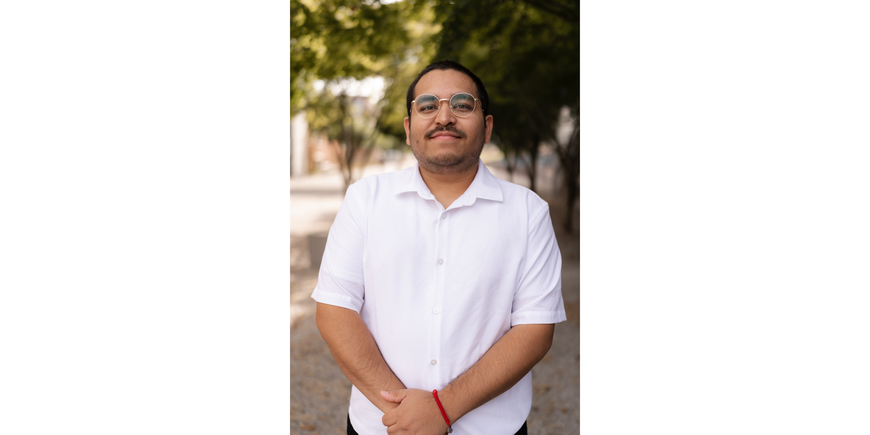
(484, 186)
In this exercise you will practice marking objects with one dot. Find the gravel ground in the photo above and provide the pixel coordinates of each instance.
(319, 392)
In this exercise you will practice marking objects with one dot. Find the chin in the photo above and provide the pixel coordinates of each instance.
(448, 164)
(447, 159)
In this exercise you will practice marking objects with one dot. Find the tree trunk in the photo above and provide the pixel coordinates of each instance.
(573, 190)
(350, 150)
(346, 160)
(569, 158)
(510, 163)
(532, 168)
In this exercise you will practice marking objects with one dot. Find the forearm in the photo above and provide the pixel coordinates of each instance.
(356, 353)
(506, 362)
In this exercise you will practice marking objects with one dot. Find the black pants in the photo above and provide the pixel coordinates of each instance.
(523, 430)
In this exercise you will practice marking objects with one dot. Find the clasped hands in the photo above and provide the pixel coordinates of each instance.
(417, 413)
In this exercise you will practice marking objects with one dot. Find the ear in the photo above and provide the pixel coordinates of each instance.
(488, 121)
(408, 130)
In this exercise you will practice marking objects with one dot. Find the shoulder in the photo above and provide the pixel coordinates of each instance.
(518, 198)
(382, 183)
(388, 179)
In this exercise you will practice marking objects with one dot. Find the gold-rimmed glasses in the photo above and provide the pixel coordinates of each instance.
(462, 104)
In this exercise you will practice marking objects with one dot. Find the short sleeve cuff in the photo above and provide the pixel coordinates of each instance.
(335, 299)
(538, 317)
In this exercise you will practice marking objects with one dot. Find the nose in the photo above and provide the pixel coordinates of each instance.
(445, 116)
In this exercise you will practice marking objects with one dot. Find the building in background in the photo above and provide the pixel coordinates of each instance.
(299, 145)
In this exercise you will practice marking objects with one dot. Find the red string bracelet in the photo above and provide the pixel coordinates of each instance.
(449, 428)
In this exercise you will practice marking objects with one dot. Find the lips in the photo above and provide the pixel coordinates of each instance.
(444, 136)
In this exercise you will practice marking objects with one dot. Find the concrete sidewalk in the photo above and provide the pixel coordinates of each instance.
(319, 391)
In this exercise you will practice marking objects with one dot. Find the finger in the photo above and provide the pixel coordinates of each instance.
(396, 396)
(390, 418)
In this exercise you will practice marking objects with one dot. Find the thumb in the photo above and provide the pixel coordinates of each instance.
(396, 396)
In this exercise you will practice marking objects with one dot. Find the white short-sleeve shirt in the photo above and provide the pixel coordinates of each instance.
(437, 288)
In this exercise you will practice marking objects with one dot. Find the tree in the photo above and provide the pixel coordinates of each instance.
(568, 150)
(336, 40)
(350, 122)
(530, 63)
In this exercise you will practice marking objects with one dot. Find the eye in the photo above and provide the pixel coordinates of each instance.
(427, 104)
(462, 103)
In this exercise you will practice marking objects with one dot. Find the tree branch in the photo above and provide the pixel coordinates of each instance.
(567, 13)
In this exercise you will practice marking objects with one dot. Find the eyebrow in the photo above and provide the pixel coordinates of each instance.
(451, 95)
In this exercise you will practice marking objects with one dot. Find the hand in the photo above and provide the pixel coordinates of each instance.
(417, 414)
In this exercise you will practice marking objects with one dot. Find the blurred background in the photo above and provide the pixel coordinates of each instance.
(351, 65)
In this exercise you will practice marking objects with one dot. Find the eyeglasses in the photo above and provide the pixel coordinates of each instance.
(461, 104)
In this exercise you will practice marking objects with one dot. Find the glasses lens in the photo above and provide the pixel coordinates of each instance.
(427, 105)
(462, 104)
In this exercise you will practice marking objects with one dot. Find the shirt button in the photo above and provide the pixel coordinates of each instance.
(433, 362)
(436, 311)
(443, 215)
(440, 261)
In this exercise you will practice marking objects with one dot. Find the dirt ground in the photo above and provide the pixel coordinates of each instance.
(319, 392)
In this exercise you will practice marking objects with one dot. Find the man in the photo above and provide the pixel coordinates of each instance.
(440, 277)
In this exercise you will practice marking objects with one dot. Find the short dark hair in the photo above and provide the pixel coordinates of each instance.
(448, 65)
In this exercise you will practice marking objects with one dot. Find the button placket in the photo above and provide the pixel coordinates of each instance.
(441, 234)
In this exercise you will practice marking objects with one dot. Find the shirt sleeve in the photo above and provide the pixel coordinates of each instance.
(340, 281)
(538, 299)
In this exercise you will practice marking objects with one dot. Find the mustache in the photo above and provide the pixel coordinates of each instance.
(448, 129)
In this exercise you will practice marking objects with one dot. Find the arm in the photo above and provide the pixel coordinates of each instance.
(503, 365)
(356, 353)
(509, 359)
(340, 294)
(537, 306)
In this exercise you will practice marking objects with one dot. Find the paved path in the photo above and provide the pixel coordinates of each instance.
(319, 391)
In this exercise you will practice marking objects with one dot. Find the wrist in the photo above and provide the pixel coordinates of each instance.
(451, 403)
(443, 412)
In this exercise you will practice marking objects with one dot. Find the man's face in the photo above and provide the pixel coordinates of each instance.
(446, 143)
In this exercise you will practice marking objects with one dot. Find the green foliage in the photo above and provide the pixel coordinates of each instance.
(336, 39)
(528, 57)
(527, 52)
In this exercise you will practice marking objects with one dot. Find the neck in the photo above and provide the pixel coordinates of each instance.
(448, 187)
